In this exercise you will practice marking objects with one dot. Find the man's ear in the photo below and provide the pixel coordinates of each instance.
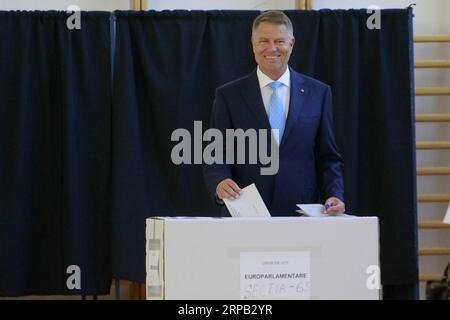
(292, 42)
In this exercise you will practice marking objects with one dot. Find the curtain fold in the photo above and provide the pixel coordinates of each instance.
(55, 153)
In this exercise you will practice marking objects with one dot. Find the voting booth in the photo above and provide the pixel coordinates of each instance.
(262, 258)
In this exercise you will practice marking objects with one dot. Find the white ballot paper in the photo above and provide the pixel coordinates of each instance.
(316, 210)
(249, 204)
(447, 215)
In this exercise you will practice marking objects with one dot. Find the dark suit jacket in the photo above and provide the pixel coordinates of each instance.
(310, 167)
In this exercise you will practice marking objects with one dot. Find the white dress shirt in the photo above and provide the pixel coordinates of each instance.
(283, 90)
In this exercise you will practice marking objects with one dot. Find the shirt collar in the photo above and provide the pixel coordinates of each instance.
(264, 80)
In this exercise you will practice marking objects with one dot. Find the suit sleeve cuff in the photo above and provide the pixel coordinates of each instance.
(218, 201)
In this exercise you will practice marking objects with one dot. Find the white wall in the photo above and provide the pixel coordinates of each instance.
(88, 5)
(111, 5)
(222, 4)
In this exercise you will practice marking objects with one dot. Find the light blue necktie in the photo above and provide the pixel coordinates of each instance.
(277, 117)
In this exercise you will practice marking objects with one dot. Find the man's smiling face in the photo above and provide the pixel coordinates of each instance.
(272, 46)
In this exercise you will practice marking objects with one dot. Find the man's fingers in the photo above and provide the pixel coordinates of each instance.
(332, 202)
(234, 186)
(228, 189)
(334, 206)
(334, 210)
(221, 193)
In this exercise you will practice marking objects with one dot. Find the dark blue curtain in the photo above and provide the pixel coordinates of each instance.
(55, 153)
(168, 65)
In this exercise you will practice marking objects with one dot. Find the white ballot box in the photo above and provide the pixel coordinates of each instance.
(262, 258)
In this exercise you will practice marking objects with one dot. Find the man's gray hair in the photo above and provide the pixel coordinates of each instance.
(275, 17)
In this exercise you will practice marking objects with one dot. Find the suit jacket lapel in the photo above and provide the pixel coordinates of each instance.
(252, 95)
(299, 93)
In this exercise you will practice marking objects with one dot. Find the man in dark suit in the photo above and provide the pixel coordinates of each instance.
(297, 110)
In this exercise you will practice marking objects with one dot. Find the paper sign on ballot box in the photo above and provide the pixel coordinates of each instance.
(275, 275)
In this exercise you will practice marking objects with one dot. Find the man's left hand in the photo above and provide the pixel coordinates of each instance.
(334, 206)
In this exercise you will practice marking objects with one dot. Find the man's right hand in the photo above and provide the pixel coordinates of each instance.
(228, 189)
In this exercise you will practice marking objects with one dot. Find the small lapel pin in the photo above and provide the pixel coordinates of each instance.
(302, 90)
